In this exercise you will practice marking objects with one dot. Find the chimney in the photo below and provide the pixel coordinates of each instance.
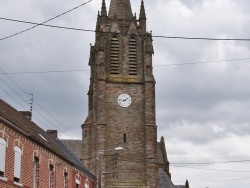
(52, 133)
(26, 114)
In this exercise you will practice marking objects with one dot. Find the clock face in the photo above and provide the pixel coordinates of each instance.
(124, 100)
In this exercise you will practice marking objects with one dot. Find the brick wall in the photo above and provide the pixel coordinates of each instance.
(30, 150)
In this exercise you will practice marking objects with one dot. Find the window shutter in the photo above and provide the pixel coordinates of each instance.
(114, 56)
(2, 154)
(17, 164)
(132, 57)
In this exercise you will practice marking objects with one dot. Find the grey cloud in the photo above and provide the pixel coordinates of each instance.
(199, 107)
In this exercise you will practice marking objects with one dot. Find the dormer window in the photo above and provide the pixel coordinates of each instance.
(132, 57)
(114, 56)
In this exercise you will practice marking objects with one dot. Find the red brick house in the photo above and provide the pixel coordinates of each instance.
(31, 157)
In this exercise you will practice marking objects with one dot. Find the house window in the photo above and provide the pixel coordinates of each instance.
(17, 164)
(114, 56)
(2, 156)
(51, 176)
(132, 57)
(78, 180)
(86, 184)
(66, 180)
(36, 173)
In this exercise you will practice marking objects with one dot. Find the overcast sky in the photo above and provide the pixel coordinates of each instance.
(202, 105)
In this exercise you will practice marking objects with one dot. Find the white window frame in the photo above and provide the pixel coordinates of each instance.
(17, 163)
(3, 145)
(86, 183)
(78, 179)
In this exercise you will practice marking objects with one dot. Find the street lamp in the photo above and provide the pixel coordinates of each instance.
(119, 148)
(100, 157)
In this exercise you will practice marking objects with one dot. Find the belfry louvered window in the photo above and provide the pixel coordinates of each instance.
(114, 56)
(132, 57)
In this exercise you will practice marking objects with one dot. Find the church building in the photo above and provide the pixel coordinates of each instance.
(120, 133)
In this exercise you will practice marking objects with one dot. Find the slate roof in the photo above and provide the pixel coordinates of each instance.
(74, 146)
(164, 180)
(26, 127)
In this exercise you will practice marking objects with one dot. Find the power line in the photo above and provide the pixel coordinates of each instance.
(202, 38)
(38, 24)
(82, 70)
(213, 162)
(45, 72)
(12, 97)
(209, 169)
(18, 101)
(154, 36)
(36, 103)
(47, 25)
(202, 62)
(225, 180)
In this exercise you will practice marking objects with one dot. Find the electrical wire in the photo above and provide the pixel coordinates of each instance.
(225, 180)
(38, 24)
(12, 97)
(167, 65)
(208, 163)
(154, 36)
(37, 104)
(21, 105)
(45, 72)
(203, 62)
(209, 169)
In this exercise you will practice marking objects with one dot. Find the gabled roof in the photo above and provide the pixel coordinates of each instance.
(13, 118)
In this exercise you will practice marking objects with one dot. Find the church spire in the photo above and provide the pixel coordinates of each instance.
(121, 9)
(104, 10)
(142, 11)
(142, 18)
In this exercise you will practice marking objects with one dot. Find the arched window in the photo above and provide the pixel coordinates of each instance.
(114, 56)
(132, 57)
(17, 164)
(2, 156)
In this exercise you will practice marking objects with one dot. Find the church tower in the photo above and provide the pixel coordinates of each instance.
(121, 110)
